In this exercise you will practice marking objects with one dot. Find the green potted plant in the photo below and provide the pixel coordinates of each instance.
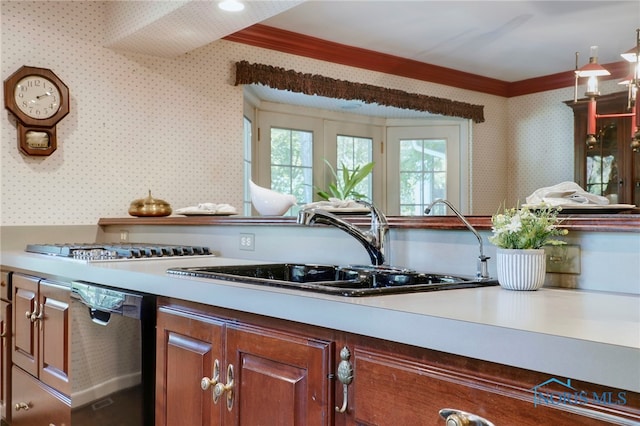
(345, 188)
(520, 235)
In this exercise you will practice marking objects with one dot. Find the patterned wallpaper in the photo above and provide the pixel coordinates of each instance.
(173, 126)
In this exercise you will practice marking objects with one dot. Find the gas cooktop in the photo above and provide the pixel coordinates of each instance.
(117, 251)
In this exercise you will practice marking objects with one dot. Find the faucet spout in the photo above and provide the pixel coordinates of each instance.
(483, 271)
(373, 240)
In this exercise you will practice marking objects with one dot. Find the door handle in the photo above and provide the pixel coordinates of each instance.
(206, 382)
(220, 389)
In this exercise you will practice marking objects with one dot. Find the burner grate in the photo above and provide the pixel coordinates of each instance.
(110, 251)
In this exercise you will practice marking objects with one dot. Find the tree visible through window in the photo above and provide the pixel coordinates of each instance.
(423, 175)
(292, 163)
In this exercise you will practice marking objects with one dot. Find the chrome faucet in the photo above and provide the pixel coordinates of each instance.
(482, 272)
(373, 240)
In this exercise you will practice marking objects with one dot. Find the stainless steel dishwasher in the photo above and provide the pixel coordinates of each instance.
(112, 356)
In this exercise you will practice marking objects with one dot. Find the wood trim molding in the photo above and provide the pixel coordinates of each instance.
(298, 44)
(588, 222)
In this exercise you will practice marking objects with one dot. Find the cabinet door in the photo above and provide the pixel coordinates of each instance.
(187, 349)
(607, 167)
(25, 341)
(44, 405)
(279, 379)
(5, 360)
(54, 335)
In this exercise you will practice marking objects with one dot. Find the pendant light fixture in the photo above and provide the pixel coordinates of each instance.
(592, 71)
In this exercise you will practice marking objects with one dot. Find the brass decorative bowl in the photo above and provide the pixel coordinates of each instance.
(149, 207)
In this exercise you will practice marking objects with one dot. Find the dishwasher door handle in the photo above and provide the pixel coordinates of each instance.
(99, 298)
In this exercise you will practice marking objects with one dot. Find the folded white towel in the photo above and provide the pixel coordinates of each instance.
(565, 193)
(208, 208)
(335, 203)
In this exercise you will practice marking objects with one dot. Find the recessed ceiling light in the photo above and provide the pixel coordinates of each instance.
(231, 5)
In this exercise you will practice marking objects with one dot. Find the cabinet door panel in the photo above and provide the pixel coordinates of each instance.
(5, 358)
(45, 406)
(187, 348)
(279, 378)
(24, 348)
(55, 350)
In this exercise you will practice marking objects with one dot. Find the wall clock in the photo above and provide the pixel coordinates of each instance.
(39, 100)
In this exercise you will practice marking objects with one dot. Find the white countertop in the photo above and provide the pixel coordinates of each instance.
(590, 336)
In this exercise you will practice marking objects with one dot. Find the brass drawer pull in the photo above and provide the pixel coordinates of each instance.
(23, 406)
(345, 375)
(454, 417)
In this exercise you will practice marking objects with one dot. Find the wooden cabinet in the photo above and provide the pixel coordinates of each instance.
(5, 347)
(287, 374)
(399, 385)
(608, 167)
(217, 370)
(40, 344)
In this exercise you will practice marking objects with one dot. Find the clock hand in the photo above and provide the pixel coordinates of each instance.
(42, 96)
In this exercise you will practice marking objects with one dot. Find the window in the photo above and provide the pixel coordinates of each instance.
(355, 151)
(292, 163)
(426, 162)
(423, 174)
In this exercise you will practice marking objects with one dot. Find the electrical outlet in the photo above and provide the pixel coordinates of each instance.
(124, 236)
(247, 242)
(563, 259)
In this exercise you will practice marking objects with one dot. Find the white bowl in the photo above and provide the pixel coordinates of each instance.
(269, 202)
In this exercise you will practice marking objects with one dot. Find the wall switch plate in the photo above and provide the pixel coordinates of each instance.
(563, 259)
(247, 242)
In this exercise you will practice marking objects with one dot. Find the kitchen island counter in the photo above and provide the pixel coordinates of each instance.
(589, 336)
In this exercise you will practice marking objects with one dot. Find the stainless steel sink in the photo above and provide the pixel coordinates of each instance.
(352, 280)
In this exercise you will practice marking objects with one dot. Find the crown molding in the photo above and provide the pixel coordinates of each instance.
(298, 44)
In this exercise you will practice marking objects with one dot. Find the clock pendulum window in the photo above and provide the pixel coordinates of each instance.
(39, 100)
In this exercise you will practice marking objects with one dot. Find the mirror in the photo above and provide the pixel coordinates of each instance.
(372, 106)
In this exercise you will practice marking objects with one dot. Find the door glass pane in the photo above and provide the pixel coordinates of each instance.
(602, 163)
(292, 163)
(353, 151)
(246, 200)
(423, 175)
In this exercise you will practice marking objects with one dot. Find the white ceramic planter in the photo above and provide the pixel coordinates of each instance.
(521, 269)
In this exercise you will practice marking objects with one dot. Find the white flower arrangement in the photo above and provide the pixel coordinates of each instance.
(526, 229)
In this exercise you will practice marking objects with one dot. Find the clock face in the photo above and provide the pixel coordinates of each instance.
(37, 97)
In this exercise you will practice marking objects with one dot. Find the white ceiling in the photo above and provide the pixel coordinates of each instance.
(507, 40)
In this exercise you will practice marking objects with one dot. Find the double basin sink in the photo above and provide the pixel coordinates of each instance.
(352, 280)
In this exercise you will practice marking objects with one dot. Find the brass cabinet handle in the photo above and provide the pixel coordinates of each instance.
(206, 382)
(23, 406)
(220, 388)
(345, 375)
(454, 417)
(35, 316)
